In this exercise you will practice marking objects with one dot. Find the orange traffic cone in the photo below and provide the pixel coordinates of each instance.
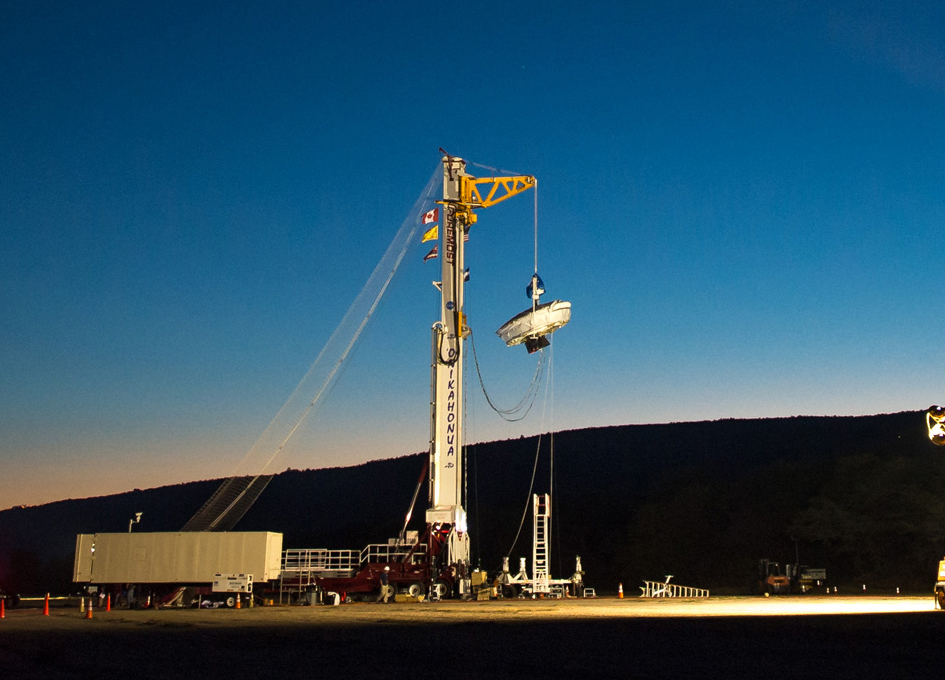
(46, 606)
(3, 607)
(108, 603)
(238, 605)
(88, 612)
(620, 591)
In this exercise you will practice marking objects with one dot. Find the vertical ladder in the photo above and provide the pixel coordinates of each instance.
(541, 550)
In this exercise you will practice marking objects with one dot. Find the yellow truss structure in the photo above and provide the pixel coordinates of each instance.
(496, 189)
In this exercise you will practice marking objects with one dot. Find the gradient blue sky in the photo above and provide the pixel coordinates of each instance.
(742, 200)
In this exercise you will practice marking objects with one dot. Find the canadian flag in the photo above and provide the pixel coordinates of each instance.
(430, 217)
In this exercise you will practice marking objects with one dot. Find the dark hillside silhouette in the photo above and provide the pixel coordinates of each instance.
(861, 496)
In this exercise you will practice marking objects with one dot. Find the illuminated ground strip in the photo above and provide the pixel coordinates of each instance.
(510, 611)
(773, 606)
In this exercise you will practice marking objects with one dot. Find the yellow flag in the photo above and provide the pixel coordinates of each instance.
(431, 235)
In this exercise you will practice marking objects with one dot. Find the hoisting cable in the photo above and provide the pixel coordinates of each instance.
(532, 391)
(527, 400)
(536, 225)
(536, 280)
(498, 171)
(528, 497)
(494, 171)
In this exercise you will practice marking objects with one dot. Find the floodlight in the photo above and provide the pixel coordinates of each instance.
(935, 419)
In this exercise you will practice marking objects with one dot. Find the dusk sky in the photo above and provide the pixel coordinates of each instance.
(743, 202)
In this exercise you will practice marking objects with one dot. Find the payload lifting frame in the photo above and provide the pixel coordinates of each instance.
(542, 585)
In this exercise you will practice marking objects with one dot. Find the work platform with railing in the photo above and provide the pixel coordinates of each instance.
(302, 567)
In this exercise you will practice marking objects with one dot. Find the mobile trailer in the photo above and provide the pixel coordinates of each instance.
(165, 564)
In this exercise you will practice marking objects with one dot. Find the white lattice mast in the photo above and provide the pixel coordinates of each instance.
(446, 412)
(462, 195)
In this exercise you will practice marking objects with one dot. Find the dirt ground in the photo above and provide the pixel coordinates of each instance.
(802, 637)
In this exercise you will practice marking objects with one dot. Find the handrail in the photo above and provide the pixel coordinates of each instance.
(321, 560)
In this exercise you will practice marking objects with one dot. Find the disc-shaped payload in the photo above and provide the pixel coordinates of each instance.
(531, 326)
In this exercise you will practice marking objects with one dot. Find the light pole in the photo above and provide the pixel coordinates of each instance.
(134, 520)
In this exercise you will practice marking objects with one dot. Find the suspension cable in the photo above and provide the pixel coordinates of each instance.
(552, 482)
(527, 400)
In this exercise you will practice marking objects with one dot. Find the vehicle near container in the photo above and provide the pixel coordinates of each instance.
(229, 589)
(771, 579)
(179, 568)
(805, 579)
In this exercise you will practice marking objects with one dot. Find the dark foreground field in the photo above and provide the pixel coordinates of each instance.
(515, 640)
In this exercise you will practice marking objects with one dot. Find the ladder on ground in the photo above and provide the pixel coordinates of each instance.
(667, 589)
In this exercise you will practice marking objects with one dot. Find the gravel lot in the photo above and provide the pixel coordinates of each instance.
(804, 637)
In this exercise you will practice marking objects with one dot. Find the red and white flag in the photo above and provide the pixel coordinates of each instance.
(430, 255)
(430, 217)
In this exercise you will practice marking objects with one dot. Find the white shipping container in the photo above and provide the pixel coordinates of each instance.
(185, 557)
